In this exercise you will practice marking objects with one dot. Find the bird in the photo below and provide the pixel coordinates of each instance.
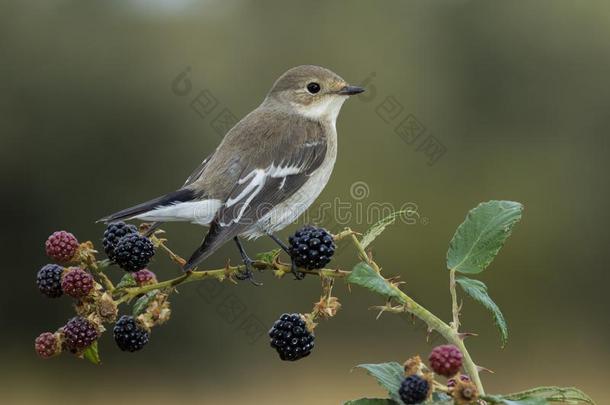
(267, 170)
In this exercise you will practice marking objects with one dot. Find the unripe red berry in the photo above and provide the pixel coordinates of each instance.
(47, 345)
(79, 333)
(144, 276)
(61, 246)
(445, 360)
(77, 283)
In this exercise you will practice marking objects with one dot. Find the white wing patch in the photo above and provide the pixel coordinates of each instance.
(256, 181)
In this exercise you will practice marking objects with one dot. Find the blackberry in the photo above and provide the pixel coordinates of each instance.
(290, 337)
(414, 390)
(47, 345)
(133, 252)
(49, 280)
(79, 333)
(128, 335)
(144, 276)
(61, 246)
(77, 282)
(311, 248)
(445, 360)
(113, 233)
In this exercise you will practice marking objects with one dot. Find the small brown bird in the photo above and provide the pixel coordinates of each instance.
(268, 169)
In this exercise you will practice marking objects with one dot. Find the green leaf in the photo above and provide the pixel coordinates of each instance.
(478, 291)
(376, 230)
(371, 401)
(546, 395)
(479, 238)
(440, 398)
(127, 281)
(142, 302)
(268, 257)
(388, 375)
(91, 353)
(363, 275)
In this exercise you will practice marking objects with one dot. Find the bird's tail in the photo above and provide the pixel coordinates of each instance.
(178, 196)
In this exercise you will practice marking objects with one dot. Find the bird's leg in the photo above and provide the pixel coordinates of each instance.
(294, 269)
(247, 274)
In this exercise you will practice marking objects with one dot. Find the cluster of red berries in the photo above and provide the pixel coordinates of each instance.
(95, 306)
(444, 360)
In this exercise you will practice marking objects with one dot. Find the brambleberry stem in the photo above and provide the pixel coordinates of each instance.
(454, 304)
(449, 332)
(96, 268)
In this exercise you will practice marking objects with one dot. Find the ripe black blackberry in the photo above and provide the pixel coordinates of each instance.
(128, 335)
(133, 252)
(290, 337)
(79, 333)
(414, 390)
(113, 233)
(49, 280)
(311, 248)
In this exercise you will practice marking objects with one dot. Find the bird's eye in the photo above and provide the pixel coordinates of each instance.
(313, 87)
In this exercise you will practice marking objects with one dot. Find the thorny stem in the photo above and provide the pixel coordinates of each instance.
(454, 304)
(449, 332)
(96, 268)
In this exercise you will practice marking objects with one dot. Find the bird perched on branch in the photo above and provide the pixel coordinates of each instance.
(268, 169)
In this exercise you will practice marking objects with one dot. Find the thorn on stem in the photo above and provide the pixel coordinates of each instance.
(464, 335)
(481, 368)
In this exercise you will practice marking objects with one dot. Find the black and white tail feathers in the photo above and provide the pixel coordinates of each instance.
(178, 196)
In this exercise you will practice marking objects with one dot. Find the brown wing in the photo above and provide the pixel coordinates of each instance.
(287, 155)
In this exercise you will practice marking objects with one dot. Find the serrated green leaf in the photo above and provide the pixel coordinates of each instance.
(388, 375)
(376, 230)
(371, 401)
(268, 257)
(363, 275)
(127, 281)
(478, 291)
(479, 238)
(142, 302)
(549, 394)
(91, 353)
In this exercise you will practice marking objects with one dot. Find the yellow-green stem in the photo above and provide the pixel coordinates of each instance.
(454, 304)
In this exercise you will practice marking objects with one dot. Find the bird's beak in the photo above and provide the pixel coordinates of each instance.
(350, 90)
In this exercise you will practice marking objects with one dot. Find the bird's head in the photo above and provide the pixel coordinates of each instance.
(312, 91)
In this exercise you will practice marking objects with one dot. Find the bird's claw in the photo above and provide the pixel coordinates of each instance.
(247, 274)
(294, 269)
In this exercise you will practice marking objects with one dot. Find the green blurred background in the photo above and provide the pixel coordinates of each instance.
(515, 92)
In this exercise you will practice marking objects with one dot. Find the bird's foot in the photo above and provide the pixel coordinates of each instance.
(247, 273)
(294, 269)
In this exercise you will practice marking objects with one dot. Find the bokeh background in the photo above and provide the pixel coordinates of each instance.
(516, 94)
